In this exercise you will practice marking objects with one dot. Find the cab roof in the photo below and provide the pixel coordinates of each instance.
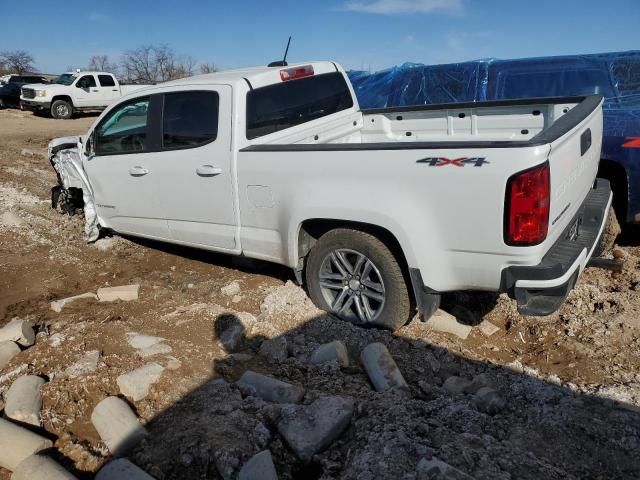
(256, 76)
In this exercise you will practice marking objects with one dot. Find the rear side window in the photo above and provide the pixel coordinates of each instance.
(106, 81)
(189, 119)
(284, 105)
(124, 129)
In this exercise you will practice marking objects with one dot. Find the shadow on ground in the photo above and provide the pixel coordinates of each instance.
(543, 430)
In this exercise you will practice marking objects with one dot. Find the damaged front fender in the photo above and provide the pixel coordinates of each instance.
(65, 155)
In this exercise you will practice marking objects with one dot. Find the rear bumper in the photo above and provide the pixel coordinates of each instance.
(34, 106)
(541, 289)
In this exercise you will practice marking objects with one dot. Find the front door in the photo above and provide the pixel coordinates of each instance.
(195, 167)
(86, 92)
(126, 186)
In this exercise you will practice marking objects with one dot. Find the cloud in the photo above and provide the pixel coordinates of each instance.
(400, 7)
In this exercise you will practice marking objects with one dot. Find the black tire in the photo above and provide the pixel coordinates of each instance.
(609, 235)
(396, 309)
(61, 109)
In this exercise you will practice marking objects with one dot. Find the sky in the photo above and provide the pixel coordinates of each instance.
(360, 34)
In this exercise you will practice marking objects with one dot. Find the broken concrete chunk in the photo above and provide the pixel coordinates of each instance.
(230, 290)
(18, 443)
(122, 292)
(8, 350)
(309, 429)
(442, 321)
(259, 467)
(136, 384)
(58, 305)
(122, 469)
(88, 363)
(381, 368)
(117, 425)
(24, 400)
(269, 388)
(104, 244)
(437, 469)
(140, 340)
(487, 328)
(39, 467)
(153, 350)
(331, 352)
(274, 349)
(488, 400)
(19, 331)
(456, 385)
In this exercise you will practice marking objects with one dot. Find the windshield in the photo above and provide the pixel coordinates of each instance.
(65, 79)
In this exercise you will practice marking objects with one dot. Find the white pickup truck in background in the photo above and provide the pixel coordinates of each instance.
(73, 92)
(377, 211)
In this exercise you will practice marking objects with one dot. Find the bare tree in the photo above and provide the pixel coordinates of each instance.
(155, 63)
(16, 61)
(208, 68)
(101, 63)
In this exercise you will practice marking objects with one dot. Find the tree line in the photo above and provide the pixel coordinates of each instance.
(145, 64)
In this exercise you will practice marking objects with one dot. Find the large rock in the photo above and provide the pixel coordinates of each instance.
(117, 425)
(24, 400)
(259, 467)
(269, 388)
(331, 352)
(87, 364)
(122, 469)
(39, 467)
(18, 443)
(136, 383)
(309, 429)
(18, 330)
(381, 368)
(8, 350)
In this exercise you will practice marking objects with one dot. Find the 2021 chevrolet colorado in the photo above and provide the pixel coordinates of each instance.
(377, 211)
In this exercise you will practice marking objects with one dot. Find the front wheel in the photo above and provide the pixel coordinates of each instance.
(354, 275)
(61, 109)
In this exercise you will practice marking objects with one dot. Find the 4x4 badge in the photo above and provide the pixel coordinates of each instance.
(456, 162)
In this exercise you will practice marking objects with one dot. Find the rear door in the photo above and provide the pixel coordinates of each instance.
(194, 167)
(108, 90)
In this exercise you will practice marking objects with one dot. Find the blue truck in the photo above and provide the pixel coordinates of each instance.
(615, 76)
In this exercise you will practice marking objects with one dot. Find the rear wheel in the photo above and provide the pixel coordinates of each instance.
(61, 109)
(354, 275)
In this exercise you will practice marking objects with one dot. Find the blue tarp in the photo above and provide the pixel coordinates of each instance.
(616, 76)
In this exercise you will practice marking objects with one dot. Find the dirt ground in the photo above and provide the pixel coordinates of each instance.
(571, 381)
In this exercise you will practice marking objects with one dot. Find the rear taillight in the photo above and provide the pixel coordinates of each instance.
(526, 218)
(296, 72)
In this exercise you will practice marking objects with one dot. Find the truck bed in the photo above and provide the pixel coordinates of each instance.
(465, 125)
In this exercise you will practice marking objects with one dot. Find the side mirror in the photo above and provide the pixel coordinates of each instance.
(89, 148)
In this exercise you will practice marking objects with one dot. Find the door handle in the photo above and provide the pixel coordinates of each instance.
(138, 171)
(208, 171)
(114, 90)
(95, 90)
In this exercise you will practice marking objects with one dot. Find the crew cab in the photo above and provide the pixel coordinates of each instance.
(10, 88)
(376, 211)
(74, 92)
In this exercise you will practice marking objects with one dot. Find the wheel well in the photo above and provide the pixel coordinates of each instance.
(311, 230)
(62, 97)
(617, 175)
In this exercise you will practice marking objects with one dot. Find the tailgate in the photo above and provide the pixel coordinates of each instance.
(573, 159)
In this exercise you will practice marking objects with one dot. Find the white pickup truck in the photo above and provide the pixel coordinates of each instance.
(377, 211)
(74, 91)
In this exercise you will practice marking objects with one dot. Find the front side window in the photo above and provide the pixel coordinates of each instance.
(285, 105)
(106, 81)
(86, 82)
(124, 129)
(189, 119)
